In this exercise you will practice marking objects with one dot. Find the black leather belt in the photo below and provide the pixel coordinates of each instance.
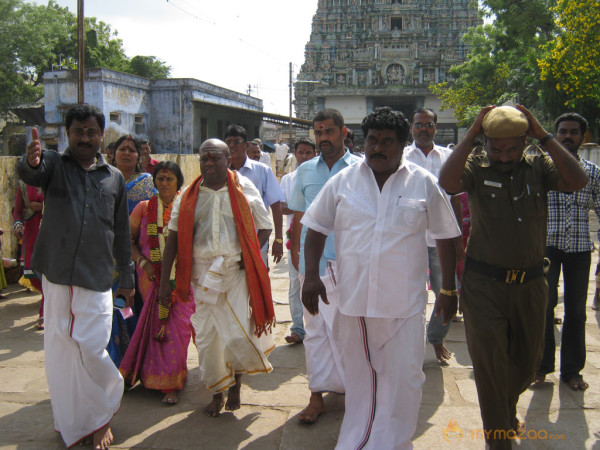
(504, 275)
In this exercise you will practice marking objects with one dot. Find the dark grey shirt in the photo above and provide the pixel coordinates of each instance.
(86, 222)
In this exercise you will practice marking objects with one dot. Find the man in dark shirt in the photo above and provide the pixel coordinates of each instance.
(85, 229)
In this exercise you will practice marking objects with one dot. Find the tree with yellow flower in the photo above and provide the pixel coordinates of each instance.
(572, 58)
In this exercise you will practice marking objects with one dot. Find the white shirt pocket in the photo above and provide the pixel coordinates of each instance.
(409, 214)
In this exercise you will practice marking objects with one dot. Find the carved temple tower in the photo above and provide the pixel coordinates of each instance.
(368, 53)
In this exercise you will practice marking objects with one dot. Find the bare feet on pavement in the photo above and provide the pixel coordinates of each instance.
(170, 398)
(539, 380)
(441, 352)
(315, 408)
(215, 406)
(103, 438)
(577, 384)
(233, 398)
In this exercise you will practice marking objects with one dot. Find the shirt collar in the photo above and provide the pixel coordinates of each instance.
(100, 161)
(346, 156)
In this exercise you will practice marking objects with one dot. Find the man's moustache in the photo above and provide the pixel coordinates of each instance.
(377, 156)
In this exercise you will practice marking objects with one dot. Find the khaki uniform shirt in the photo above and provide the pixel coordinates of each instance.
(509, 210)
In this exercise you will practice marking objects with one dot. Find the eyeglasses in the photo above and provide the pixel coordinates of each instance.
(232, 142)
(428, 125)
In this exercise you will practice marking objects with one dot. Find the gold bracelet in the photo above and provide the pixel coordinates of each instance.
(449, 293)
(278, 240)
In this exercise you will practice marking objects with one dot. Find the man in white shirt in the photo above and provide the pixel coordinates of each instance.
(425, 153)
(304, 149)
(281, 153)
(259, 156)
(236, 138)
(380, 210)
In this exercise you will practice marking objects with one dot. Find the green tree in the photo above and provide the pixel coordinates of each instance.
(502, 62)
(33, 38)
(149, 67)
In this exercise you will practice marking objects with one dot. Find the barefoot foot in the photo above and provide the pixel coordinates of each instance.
(214, 408)
(233, 395)
(315, 408)
(442, 354)
(539, 380)
(577, 384)
(170, 398)
(103, 438)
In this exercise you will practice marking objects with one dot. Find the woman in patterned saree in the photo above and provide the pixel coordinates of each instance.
(157, 353)
(139, 187)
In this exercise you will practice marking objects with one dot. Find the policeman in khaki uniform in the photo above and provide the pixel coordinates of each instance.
(504, 292)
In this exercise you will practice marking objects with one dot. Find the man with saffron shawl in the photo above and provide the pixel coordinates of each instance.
(213, 234)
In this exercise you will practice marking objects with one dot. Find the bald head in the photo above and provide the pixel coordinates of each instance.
(212, 145)
(214, 161)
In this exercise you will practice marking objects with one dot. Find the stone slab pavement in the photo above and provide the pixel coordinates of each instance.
(567, 419)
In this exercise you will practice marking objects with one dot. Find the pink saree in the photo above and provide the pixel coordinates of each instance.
(158, 365)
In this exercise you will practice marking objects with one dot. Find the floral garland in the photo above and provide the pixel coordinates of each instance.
(158, 216)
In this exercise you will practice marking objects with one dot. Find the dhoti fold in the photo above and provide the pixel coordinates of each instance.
(224, 330)
(323, 361)
(383, 360)
(85, 386)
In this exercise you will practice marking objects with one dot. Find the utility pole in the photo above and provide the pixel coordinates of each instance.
(291, 87)
(81, 52)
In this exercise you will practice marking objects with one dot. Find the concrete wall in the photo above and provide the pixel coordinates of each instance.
(190, 166)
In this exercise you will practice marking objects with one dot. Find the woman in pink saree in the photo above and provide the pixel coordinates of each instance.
(157, 353)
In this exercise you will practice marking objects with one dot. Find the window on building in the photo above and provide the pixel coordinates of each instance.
(396, 23)
(115, 117)
(138, 121)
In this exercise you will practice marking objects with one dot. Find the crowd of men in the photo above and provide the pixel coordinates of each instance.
(366, 234)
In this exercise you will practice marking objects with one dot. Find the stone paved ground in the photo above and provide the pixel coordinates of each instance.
(267, 417)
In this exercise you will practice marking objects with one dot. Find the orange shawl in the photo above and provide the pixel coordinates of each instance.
(257, 276)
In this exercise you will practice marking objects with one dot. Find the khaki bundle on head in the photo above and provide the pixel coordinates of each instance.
(504, 122)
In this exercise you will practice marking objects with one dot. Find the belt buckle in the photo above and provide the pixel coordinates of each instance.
(512, 276)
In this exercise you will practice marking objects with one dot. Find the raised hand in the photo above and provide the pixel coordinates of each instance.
(34, 149)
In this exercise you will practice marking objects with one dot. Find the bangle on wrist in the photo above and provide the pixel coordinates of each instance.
(143, 264)
(18, 225)
(449, 293)
(278, 240)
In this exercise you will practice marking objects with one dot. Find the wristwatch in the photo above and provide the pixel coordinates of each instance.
(452, 293)
(546, 138)
(279, 241)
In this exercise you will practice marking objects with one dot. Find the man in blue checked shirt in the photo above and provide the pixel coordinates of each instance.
(569, 245)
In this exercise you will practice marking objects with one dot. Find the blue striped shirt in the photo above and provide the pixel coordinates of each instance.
(568, 214)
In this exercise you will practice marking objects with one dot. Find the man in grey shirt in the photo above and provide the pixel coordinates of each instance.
(85, 229)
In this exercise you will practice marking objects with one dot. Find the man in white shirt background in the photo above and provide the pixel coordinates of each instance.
(425, 153)
(304, 149)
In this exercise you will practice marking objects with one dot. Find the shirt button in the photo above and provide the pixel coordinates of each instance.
(515, 199)
(519, 219)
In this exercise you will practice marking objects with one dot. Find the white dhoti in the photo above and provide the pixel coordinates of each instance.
(225, 336)
(323, 361)
(383, 363)
(85, 385)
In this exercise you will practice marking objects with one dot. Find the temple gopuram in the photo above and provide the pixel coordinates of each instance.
(363, 54)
